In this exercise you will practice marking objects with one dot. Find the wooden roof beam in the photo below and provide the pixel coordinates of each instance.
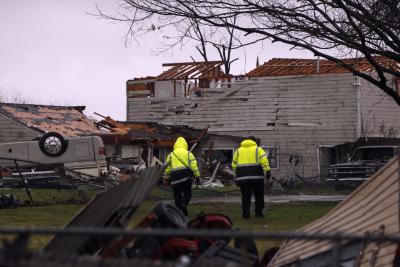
(191, 63)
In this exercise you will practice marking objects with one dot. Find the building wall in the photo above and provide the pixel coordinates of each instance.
(166, 89)
(295, 114)
(11, 131)
(380, 113)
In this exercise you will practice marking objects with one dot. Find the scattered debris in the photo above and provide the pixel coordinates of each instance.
(361, 231)
(214, 184)
(8, 201)
(112, 208)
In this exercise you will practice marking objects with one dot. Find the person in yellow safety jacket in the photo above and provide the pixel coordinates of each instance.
(251, 167)
(181, 168)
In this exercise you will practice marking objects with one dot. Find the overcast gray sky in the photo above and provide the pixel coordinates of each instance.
(53, 52)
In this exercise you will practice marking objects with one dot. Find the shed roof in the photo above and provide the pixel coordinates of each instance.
(296, 66)
(66, 120)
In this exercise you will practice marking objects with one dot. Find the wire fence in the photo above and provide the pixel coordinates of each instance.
(342, 244)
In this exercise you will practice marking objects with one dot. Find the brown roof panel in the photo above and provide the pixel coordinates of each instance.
(66, 120)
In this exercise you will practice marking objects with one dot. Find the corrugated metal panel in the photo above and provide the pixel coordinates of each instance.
(113, 208)
(373, 207)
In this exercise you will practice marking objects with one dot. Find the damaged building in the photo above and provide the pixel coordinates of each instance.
(301, 109)
(133, 145)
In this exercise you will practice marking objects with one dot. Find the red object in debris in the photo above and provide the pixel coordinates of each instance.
(176, 247)
(102, 151)
(209, 221)
(4, 172)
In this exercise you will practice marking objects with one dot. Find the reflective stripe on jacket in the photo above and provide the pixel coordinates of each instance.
(181, 164)
(250, 162)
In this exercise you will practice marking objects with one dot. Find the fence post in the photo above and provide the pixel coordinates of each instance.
(336, 252)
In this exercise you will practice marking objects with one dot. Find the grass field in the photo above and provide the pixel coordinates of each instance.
(282, 217)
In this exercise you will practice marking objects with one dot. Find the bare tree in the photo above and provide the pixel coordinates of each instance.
(204, 38)
(332, 29)
(192, 31)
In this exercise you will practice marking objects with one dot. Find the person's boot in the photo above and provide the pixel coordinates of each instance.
(259, 215)
(246, 215)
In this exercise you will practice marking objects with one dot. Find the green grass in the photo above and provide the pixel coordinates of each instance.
(164, 193)
(38, 216)
(278, 217)
(50, 196)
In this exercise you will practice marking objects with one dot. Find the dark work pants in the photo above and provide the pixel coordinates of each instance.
(182, 194)
(247, 189)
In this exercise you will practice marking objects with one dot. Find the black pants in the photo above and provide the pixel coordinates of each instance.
(247, 189)
(182, 195)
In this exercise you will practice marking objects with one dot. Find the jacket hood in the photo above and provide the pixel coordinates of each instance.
(248, 143)
(180, 143)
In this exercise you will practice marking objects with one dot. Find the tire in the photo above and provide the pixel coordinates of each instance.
(169, 216)
(53, 144)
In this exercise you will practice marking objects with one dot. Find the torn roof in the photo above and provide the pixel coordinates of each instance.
(66, 120)
(295, 66)
(158, 134)
(193, 70)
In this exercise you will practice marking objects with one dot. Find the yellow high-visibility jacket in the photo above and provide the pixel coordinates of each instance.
(250, 162)
(181, 165)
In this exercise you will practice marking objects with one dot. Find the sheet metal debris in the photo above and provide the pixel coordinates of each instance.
(113, 208)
